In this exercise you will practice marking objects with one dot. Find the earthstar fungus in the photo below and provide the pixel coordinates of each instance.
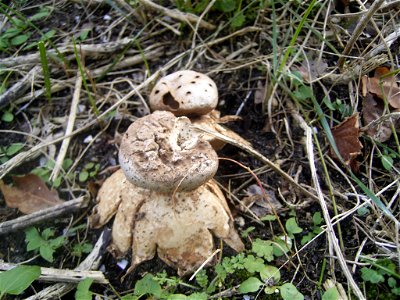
(163, 198)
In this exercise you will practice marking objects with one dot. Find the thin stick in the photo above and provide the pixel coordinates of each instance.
(330, 231)
(359, 28)
(52, 274)
(68, 130)
(42, 215)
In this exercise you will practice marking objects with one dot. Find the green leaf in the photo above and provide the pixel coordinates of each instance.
(176, 297)
(304, 92)
(84, 34)
(89, 166)
(292, 227)
(48, 35)
(14, 149)
(11, 32)
(371, 275)
(47, 252)
(7, 117)
(290, 292)
(16, 280)
(79, 249)
(198, 296)
(67, 163)
(268, 218)
(392, 282)
(130, 297)
(387, 162)
(19, 39)
(57, 242)
(148, 285)
(317, 219)
(82, 290)
(270, 275)
(253, 264)
(280, 246)
(331, 294)
(308, 237)
(238, 20)
(83, 176)
(202, 278)
(263, 249)
(250, 285)
(43, 13)
(48, 233)
(225, 5)
(34, 239)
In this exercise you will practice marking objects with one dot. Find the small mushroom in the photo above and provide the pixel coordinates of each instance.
(164, 199)
(185, 93)
(194, 95)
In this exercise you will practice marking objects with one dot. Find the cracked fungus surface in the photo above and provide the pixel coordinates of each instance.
(161, 152)
(179, 230)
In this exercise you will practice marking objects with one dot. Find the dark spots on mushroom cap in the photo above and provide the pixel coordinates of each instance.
(163, 83)
(193, 82)
(180, 75)
(170, 101)
(157, 91)
(197, 76)
(179, 87)
(188, 92)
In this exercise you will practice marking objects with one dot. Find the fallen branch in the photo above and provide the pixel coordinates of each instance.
(42, 215)
(60, 275)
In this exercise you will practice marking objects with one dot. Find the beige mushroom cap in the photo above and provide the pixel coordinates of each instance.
(161, 152)
(185, 93)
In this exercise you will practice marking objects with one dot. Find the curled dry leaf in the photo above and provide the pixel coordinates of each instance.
(177, 228)
(30, 194)
(383, 86)
(375, 90)
(256, 202)
(346, 138)
(212, 122)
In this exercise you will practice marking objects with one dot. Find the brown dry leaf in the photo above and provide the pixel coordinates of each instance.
(373, 110)
(382, 87)
(375, 90)
(29, 195)
(256, 201)
(346, 139)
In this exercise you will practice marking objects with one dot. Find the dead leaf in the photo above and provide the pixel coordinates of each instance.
(373, 110)
(29, 195)
(346, 139)
(256, 202)
(382, 86)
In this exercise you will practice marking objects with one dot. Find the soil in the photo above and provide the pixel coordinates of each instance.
(281, 140)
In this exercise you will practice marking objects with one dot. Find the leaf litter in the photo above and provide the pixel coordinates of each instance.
(30, 194)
